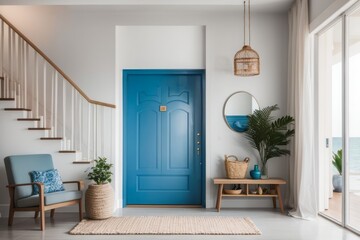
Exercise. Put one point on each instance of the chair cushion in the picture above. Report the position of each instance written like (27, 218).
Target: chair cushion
(49, 198)
(18, 168)
(50, 178)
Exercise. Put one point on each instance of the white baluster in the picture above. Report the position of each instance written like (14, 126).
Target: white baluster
(36, 86)
(52, 104)
(80, 122)
(64, 109)
(17, 98)
(44, 94)
(2, 49)
(13, 67)
(102, 130)
(89, 131)
(41, 120)
(10, 61)
(20, 71)
(13, 89)
(62, 147)
(72, 118)
(95, 131)
(112, 121)
(56, 104)
(19, 67)
(26, 59)
(7, 87)
(68, 145)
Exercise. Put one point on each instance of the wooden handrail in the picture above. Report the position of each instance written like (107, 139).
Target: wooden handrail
(54, 65)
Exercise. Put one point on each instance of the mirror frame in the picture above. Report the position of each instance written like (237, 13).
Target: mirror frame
(226, 101)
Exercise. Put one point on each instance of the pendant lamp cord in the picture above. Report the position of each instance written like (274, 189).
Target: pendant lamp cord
(249, 22)
(244, 24)
(245, 21)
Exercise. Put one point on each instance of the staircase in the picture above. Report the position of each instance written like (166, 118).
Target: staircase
(46, 103)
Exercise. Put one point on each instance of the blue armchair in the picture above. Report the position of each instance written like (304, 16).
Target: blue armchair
(20, 187)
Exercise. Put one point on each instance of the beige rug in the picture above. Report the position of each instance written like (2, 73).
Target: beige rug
(167, 225)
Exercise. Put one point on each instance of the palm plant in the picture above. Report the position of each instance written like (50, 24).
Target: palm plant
(337, 161)
(269, 135)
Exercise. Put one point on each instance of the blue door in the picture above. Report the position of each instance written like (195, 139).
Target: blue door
(162, 140)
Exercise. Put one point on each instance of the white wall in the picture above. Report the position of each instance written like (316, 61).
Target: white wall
(82, 41)
(153, 47)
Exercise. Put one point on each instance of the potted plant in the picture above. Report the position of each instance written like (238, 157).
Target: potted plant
(99, 197)
(269, 135)
(337, 178)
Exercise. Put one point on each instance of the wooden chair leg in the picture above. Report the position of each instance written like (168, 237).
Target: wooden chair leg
(42, 218)
(36, 215)
(42, 207)
(11, 209)
(80, 210)
(11, 215)
(52, 213)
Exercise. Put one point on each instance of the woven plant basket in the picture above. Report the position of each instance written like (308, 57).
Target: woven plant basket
(99, 201)
(235, 168)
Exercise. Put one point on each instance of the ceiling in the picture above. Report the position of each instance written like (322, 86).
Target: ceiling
(219, 5)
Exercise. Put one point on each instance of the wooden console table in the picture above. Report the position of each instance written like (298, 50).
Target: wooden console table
(273, 182)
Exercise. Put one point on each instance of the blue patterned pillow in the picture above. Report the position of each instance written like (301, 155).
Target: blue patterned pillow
(51, 179)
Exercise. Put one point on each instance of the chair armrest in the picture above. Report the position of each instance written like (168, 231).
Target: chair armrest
(39, 184)
(80, 184)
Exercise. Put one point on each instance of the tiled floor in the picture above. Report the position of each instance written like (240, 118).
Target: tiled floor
(273, 225)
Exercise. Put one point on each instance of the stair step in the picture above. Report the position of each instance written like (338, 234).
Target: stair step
(7, 99)
(44, 128)
(83, 162)
(67, 151)
(28, 119)
(17, 109)
(51, 138)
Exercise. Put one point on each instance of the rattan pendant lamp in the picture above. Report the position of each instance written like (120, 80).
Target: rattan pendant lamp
(246, 61)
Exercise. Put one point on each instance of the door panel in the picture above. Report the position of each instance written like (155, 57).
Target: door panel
(148, 140)
(330, 119)
(163, 165)
(353, 153)
(179, 140)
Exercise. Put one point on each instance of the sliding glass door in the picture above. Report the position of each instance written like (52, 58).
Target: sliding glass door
(353, 166)
(338, 88)
(330, 92)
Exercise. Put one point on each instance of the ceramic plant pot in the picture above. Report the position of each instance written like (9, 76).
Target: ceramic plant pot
(255, 174)
(337, 183)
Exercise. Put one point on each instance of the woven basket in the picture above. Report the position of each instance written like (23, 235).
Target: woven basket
(99, 201)
(235, 168)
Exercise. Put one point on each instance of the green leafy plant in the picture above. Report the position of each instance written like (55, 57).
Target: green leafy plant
(337, 161)
(101, 173)
(269, 135)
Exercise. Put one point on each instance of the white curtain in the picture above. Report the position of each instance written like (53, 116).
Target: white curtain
(303, 196)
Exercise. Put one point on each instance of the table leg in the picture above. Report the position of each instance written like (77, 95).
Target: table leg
(274, 202)
(219, 197)
(279, 197)
(273, 198)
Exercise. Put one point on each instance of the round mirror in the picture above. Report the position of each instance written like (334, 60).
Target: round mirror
(237, 108)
